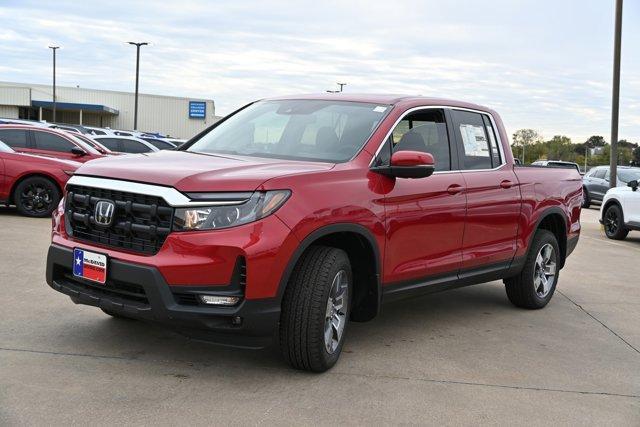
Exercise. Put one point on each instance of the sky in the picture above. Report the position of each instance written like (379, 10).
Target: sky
(543, 64)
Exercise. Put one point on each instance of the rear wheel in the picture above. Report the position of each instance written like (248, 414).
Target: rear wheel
(536, 283)
(36, 197)
(614, 223)
(586, 200)
(315, 309)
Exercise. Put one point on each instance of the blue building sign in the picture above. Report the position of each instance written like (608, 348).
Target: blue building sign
(197, 109)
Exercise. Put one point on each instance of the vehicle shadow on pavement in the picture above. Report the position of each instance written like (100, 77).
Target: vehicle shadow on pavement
(9, 211)
(416, 319)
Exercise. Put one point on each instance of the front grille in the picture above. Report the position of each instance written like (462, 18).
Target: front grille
(140, 223)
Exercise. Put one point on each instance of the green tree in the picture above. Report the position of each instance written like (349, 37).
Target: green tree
(595, 141)
(560, 148)
(636, 156)
(524, 138)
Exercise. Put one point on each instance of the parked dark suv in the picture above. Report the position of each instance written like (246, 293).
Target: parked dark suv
(595, 183)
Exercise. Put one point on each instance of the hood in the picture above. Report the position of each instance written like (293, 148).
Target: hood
(187, 171)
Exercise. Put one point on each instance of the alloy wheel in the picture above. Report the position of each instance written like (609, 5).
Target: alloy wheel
(544, 271)
(611, 221)
(336, 313)
(36, 198)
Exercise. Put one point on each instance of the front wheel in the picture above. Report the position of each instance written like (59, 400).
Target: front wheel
(614, 223)
(315, 309)
(36, 197)
(536, 283)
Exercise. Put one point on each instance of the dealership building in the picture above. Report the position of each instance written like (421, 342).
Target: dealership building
(169, 115)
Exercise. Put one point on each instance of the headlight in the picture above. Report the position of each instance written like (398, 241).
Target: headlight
(259, 205)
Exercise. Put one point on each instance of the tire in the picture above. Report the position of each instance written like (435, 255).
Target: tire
(36, 197)
(614, 223)
(116, 315)
(528, 290)
(322, 277)
(586, 200)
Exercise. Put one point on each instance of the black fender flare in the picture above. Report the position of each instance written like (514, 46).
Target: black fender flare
(545, 214)
(325, 231)
(605, 206)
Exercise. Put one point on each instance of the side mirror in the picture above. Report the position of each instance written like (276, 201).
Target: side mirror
(77, 151)
(633, 184)
(408, 164)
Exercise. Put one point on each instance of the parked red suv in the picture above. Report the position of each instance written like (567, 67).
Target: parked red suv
(293, 215)
(33, 183)
(47, 142)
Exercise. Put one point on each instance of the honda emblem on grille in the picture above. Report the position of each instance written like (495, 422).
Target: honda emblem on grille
(103, 212)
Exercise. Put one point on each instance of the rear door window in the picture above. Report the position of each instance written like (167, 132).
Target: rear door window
(14, 138)
(478, 149)
(50, 142)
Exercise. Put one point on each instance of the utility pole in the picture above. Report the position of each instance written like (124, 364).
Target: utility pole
(135, 111)
(54, 48)
(615, 107)
(339, 90)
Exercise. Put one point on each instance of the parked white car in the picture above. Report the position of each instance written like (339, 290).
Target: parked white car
(620, 211)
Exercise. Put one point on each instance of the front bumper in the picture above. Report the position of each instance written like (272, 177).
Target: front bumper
(140, 292)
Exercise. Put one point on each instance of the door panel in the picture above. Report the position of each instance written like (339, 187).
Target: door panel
(493, 209)
(598, 186)
(425, 223)
(631, 207)
(493, 194)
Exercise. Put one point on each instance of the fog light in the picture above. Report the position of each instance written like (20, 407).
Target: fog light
(219, 300)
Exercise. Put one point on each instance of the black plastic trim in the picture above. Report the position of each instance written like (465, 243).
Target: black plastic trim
(221, 196)
(325, 231)
(632, 225)
(443, 282)
(259, 318)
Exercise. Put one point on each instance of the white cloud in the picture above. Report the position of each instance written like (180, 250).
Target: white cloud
(547, 71)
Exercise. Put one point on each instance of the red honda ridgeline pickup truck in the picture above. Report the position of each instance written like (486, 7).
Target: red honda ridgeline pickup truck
(293, 215)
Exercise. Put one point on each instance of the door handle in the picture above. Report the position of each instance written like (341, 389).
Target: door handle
(506, 184)
(455, 189)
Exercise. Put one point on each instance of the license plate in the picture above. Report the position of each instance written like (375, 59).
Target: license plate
(90, 265)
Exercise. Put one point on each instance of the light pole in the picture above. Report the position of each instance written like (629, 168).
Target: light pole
(54, 48)
(615, 101)
(135, 111)
(586, 153)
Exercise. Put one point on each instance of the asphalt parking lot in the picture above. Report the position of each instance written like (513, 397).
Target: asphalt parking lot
(460, 357)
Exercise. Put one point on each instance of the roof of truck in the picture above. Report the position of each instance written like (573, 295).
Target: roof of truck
(388, 99)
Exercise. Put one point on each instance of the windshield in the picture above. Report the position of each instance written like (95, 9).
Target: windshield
(159, 144)
(626, 175)
(326, 131)
(86, 145)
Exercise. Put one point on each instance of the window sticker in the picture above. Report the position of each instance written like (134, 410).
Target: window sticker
(474, 140)
(380, 109)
